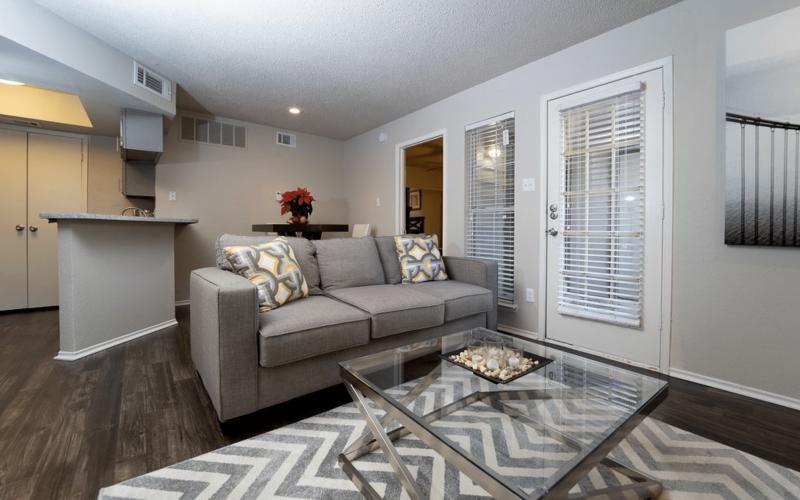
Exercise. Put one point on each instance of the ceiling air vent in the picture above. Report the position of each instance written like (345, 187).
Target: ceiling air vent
(286, 139)
(152, 81)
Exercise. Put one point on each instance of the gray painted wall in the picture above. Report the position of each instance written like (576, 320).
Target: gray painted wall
(122, 267)
(105, 171)
(729, 305)
(228, 189)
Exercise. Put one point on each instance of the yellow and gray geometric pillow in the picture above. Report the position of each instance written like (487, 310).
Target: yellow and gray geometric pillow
(273, 269)
(420, 259)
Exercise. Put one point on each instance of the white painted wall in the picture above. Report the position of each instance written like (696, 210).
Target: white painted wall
(228, 189)
(38, 29)
(730, 305)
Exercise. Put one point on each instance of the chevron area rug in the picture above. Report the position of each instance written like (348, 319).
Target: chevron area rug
(300, 461)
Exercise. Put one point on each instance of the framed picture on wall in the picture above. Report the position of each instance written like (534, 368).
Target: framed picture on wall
(415, 199)
(762, 135)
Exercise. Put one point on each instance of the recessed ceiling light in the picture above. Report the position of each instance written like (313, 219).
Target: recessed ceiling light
(10, 82)
(295, 110)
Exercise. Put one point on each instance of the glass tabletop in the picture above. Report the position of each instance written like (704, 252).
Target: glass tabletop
(528, 433)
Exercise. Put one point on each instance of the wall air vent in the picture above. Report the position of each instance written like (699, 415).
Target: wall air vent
(152, 81)
(286, 139)
(209, 131)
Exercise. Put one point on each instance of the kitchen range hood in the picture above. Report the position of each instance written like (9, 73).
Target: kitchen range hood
(141, 136)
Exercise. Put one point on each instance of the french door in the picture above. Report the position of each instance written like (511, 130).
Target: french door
(604, 218)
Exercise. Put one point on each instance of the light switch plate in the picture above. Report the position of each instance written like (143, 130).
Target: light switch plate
(530, 295)
(529, 184)
(277, 196)
(378, 202)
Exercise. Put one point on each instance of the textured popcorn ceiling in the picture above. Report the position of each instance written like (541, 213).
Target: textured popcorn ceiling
(352, 65)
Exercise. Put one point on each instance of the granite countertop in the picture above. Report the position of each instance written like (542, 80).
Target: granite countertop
(57, 216)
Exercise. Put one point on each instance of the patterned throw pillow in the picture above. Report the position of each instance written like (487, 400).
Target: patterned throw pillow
(273, 269)
(420, 259)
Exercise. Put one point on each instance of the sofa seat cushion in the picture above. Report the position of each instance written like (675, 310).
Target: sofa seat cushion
(394, 308)
(460, 299)
(309, 327)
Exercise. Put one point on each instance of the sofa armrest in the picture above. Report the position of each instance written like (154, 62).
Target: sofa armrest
(224, 339)
(480, 272)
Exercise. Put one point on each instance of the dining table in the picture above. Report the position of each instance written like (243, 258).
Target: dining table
(308, 231)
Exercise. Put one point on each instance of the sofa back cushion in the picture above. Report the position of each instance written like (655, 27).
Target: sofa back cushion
(391, 264)
(304, 252)
(348, 262)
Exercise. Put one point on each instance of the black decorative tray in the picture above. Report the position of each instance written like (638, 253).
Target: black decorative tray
(541, 359)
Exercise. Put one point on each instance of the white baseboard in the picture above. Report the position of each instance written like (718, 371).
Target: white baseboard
(182, 302)
(752, 392)
(73, 355)
(519, 331)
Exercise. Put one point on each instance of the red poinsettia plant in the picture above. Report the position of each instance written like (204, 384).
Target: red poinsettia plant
(298, 202)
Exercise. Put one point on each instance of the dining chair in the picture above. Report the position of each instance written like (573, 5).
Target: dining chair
(360, 230)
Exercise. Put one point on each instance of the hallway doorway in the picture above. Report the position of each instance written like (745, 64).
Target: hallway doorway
(423, 172)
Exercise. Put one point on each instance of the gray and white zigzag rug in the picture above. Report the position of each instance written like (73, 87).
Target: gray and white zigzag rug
(300, 460)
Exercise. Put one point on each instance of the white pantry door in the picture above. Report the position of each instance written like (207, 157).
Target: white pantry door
(13, 220)
(55, 184)
(604, 218)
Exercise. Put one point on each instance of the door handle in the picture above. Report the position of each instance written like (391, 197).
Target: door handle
(552, 231)
(33, 229)
(19, 227)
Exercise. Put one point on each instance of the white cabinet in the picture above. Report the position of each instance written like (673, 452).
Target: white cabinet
(39, 172)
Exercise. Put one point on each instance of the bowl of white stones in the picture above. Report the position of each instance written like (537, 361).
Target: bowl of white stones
(495, 360)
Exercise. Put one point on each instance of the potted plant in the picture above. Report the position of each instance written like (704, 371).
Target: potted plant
(298, 202)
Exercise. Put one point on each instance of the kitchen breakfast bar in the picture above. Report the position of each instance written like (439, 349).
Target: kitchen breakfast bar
(116, 279)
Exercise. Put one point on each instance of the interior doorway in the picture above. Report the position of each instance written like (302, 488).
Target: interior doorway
(423, 187)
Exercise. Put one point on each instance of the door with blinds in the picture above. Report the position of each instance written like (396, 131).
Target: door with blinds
(604, 218)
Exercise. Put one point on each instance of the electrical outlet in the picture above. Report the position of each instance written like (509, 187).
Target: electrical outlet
(529, 184)
(172, 196)
(277, 196)
(378, 201)
(530, 296)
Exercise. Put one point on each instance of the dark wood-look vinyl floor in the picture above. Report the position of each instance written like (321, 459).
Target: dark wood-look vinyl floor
(70, 428)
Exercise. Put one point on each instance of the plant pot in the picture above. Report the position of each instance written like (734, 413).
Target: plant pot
(300, 213)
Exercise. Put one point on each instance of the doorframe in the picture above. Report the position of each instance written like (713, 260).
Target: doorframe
(665, 64)
(400, 175)
(84, 155)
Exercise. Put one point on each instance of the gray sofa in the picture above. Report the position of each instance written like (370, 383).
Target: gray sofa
(357, 305)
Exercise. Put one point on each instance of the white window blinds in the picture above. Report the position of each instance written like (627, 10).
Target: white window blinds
(602, 195)
(490, 198)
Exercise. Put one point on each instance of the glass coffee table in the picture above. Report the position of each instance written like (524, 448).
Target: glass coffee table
(534, 437)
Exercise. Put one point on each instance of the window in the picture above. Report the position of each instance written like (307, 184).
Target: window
(490, 198)
(602, 195)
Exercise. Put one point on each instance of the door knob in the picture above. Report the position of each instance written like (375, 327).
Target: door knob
(33, 229)
(19, 227)
(552, 231)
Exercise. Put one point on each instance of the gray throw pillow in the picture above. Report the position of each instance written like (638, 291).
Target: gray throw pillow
(304, 252)
(348, 262)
